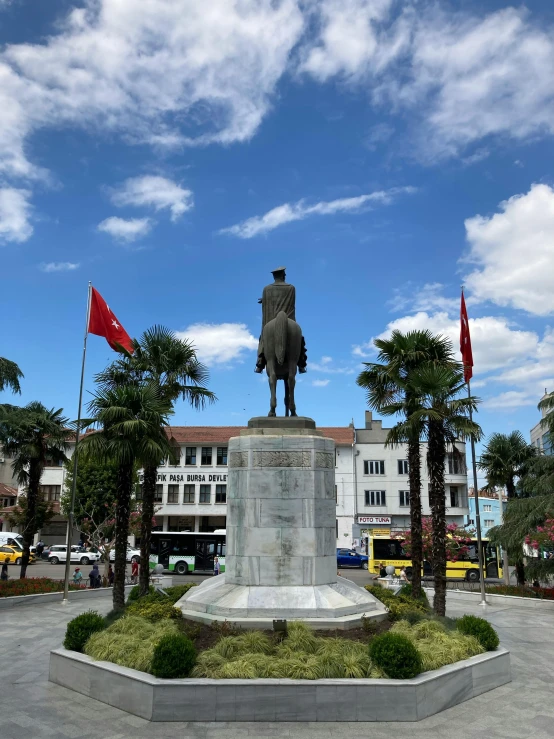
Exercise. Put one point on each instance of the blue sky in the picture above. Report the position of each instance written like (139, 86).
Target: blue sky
(384, 151)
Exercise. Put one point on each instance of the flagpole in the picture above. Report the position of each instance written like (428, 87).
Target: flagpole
(482, 573)
(71, 517)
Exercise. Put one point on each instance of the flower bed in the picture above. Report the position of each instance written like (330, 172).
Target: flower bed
(32, 586)
(522, 591)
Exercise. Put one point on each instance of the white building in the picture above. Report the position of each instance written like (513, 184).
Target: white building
(382, 485)
(539, 434)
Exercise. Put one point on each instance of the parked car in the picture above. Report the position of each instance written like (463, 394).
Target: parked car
(351, 558)
(13, 555)
(133, 555)
(58, 553)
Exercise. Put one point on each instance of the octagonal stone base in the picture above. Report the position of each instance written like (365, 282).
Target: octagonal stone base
(336, 605)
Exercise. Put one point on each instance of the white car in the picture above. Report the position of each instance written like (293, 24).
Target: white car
(133, 555)
(58, 553)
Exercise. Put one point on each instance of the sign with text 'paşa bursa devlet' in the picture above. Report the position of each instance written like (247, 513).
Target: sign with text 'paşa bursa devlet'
(176, 477)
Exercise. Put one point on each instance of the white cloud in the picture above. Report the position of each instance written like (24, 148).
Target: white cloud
(320, 383)
(289, 212)
(126, 230)
(327, 366)
(463, 77)
(427, 298)
(514, 253)
(219, 343)
(155, 192)
(509, 400)
(494, 342)
(58, 266)
(14, 214)
(177, 72)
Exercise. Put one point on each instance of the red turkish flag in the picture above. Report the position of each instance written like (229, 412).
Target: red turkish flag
(103, 322)
(465, 342)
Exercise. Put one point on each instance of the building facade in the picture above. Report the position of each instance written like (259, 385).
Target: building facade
(539, 434)
(382, 484)
(489, 509)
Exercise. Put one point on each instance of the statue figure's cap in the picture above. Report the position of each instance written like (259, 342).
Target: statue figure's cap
(279, 269)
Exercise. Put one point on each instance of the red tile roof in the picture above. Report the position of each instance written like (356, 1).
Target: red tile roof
(7, 491)
(222, 434)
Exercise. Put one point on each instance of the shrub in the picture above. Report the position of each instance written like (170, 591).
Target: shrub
(396, 655)
(406, 591)
(81, 628)
(154, 610)
(32, 586)
(436, 646)
(134, 593)
(174, 657)
(176, 592)
(481, 630)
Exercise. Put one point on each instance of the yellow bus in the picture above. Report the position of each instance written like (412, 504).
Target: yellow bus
(387, 551)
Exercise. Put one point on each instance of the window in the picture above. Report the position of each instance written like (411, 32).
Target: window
(336, 495)
(206, 455)
(403, 467)
(173, 494)
(205, 493)
(175, 458)
(51, 492)
(487, 508)
(374, 467)
(404, 496)
(337, 528)
(49, 462)
(188, 494)
(388, 549)
(159, 494)
(221, 493)
(489, 522)
(456, 463)
(375, 497)
(454, 497)
(138, 492)
(190, 455)
(222, 455)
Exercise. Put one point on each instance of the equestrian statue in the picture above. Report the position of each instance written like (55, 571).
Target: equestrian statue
(282, 348)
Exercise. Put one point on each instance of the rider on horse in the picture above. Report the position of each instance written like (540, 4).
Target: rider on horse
(279, 296)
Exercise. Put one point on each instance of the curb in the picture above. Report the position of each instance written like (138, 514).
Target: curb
(15, 601)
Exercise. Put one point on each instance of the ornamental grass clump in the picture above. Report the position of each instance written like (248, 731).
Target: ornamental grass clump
(396, 655)
(399, 606)
(154, 610)
(437, 646)
(481, 630)
(81, 628)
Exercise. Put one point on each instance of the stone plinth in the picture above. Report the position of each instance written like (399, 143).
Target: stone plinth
(281, 539)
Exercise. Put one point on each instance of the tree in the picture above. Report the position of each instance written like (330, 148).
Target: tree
(505, 457)
(390, 392)
(10, 374)
(444, 418)
(457, 540)
(96, 487)
(32, 436)
(170, 363)
(130, 422)
(44, 512)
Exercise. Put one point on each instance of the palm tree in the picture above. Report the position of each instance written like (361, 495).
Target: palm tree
(10, 374)
(33, 436)
(389, 391)
(130, 421)
(505, 457)
(170, 363)
(444, 417)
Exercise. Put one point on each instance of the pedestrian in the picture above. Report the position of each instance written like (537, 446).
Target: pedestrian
(382, 570)
(4, 575)
(216, 565)
(403, 575)
(134, 572)
(40, 548)
(94, 576)
(77, 577)
(110, 576)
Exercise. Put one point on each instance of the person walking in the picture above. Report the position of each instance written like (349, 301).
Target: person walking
(216, 565)
(77, 577)
(4, 575)
(40, 548)
(134, 572)
(94, 576)
(110, 576)
(403, 575)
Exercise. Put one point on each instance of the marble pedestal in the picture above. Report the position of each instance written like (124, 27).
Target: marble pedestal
(281, 541)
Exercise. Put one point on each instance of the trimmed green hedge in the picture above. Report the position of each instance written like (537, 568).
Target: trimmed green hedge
(481, 630)
(174, 657)
(396, 656)
(81, 628)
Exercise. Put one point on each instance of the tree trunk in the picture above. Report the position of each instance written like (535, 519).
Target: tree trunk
(437, 499)
(30, 525)
(148, 493)
(122, 514)
(520, 572)
(510, 488)
(414, 463)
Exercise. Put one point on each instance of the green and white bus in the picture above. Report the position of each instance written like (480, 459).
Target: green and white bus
(184, 552)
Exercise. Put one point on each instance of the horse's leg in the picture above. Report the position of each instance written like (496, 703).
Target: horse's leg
(272, 386)
(291, 383)
(286, 381)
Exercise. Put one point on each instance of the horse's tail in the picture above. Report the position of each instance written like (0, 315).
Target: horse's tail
(281, 325)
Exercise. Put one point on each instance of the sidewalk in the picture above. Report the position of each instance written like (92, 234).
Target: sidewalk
(30, 706)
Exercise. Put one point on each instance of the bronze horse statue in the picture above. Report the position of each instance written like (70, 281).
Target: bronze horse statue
(282, 340)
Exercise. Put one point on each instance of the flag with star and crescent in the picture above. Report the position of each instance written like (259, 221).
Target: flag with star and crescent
(103, 322)
(465, 342)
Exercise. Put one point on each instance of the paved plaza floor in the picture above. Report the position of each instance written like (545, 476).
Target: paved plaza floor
(32, 707)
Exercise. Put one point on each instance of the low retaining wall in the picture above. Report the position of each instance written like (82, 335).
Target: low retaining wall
(14, 601)
(514, 601)
(279, 700)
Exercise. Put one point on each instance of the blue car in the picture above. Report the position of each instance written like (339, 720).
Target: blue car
(351, 558)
